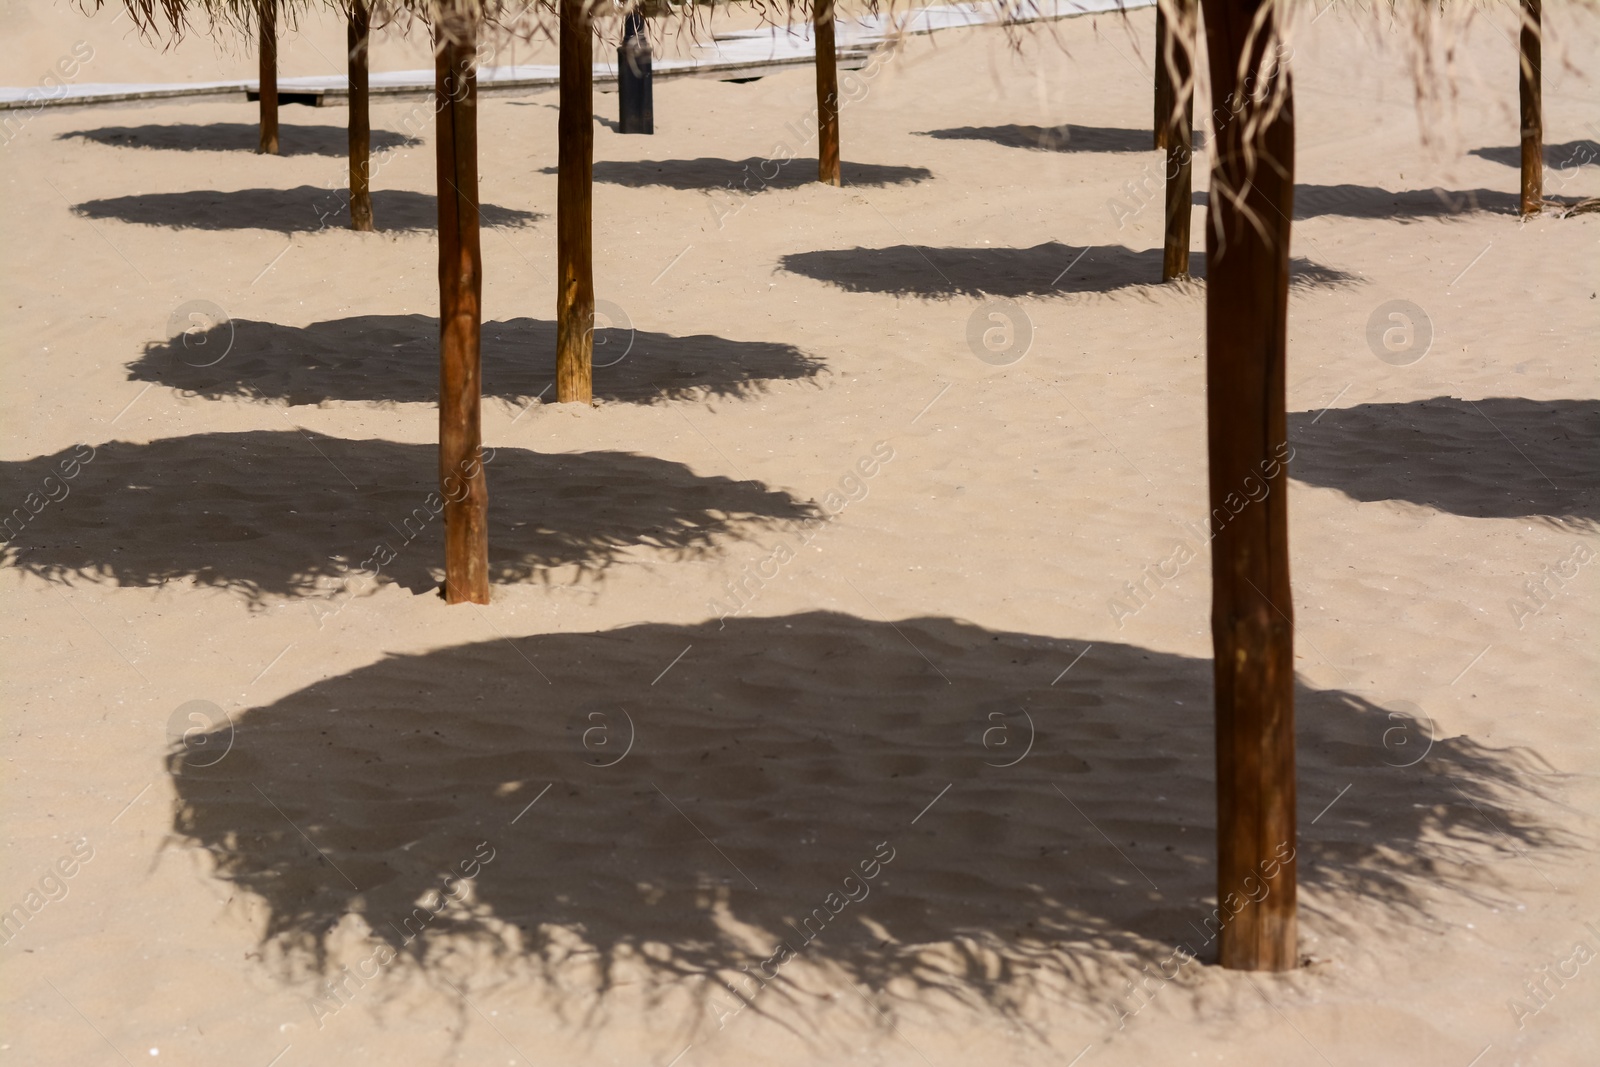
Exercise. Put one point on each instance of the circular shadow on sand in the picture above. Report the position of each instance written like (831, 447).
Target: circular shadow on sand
(668, 802)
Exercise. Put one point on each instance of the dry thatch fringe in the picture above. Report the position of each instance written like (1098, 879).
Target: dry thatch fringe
(1262, 74)
(691, 18)
(487, 22)
(169, 21)
(479, 20)
(1429, 31)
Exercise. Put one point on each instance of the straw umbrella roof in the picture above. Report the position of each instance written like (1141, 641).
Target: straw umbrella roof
(174, 19)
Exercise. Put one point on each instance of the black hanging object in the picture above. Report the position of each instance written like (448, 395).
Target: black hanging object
(633, 78)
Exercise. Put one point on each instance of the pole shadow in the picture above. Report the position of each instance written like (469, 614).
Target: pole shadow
(395, 359)
(292, 514)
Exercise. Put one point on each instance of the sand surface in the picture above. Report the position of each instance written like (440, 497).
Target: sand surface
(934, 712)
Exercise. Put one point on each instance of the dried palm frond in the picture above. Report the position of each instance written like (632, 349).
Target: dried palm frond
(169, 21)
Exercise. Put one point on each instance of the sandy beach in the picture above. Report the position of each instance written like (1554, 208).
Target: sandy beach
(845, 694)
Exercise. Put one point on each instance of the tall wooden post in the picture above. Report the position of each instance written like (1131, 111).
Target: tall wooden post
(635, 93)
(1530, 56)
(357, 35)
(1247, 289)
(1174, 131)
(1163, 78)
(827, 96)
(268, 12)
(462, 479)
(575, 209)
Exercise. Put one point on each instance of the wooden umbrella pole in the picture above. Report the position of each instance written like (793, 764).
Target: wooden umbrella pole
(357, 36)
(827, 96)
(574, 209)
(1247, 287)
(462, 479)
(1530, 49)
(1164, 103)
(1175, 131)
(268, 96)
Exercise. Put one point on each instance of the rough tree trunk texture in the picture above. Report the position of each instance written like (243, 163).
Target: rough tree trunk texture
(1175, 129)
(1163, 81)
(1247, 295)
(635, 93)
(1530, 49)
(360, 120)
(462, 479)
(574, 209)
(268, 96)
(827, 97)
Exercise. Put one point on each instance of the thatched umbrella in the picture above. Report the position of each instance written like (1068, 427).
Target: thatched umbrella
(260, 19)
(456, 25)
(575, 152)
(244, 17)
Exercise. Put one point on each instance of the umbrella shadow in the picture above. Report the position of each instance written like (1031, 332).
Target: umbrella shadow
(911, 806)
(743, 175)
(1500, 457)
(1371, 202)
(236, 137)
(303, 209)
(1561, 157)
(1043, 270)
(395, 358)
(1409, 205)
(292, 514)
(1064, 138)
